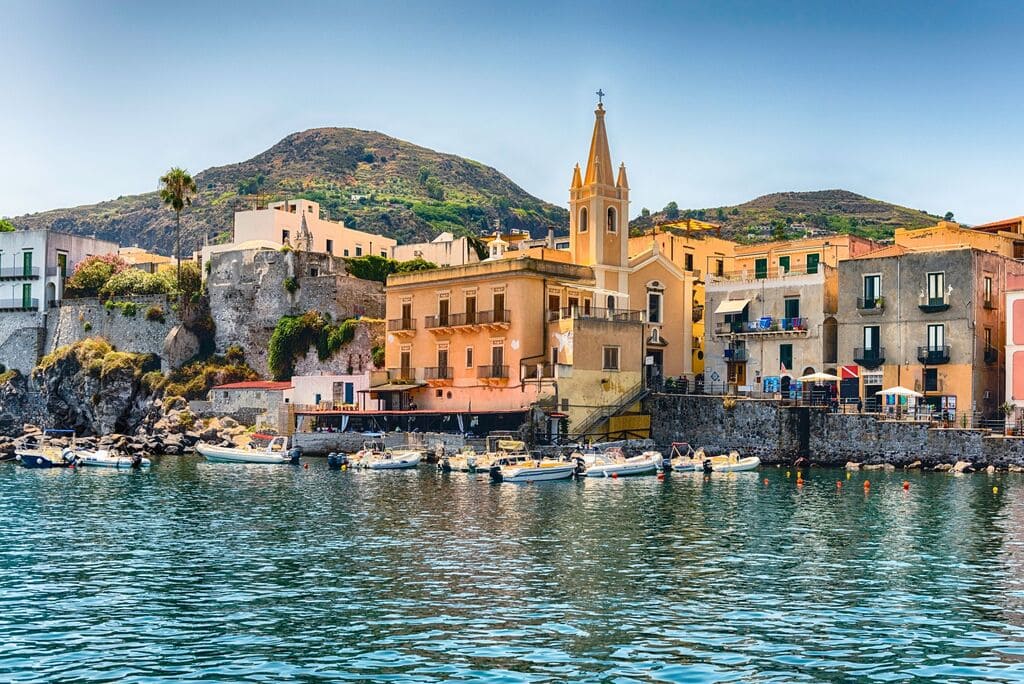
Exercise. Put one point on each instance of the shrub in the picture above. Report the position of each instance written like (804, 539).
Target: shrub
(156, 313)
(87, 326)
(133, 281)
(378, 268)
(194, 380)
(129, 309)
(235, 354)
(7, 375)
(91, 274)
(294, 335)
(291, 284)
(378, 356)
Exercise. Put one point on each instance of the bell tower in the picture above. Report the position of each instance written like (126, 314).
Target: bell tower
(599, 211)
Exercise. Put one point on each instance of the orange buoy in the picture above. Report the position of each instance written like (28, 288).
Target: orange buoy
(906, 486)
(305, 466)
(867, 484)
(839, 484)
(766, 481)
(661, 476)
(615, 476)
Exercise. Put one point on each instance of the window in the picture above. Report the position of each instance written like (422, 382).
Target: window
(872, 337)
(988, 338)
(350, 393)
(499, 308)
(284, 236)
(688, 262)
(359, 250)
(27, 263)
(936, 337)
(26, 296)
(405, 362)
(582, 227)
(317, 398)
(936, 288)
(497, 357)
(719, 267)
(872, 288)
(384, 254)
(611, 358)
(812, 262)
(611, 303)
(314, 271)
(407, 316)
(783, 265)
(330, 246)
(346, 252)
(654, 307)
(612, 225)
(442, 362)
(470, 309)
(931, 379)
(761, 269)
(443, 307)
(988, 291)
(62, 264)
(792, 305)
(785, 357)
(574, 304)
(469, 357)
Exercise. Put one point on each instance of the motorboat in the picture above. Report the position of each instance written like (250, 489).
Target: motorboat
(276, 451)
(500, 447)
(686, 459)
(37, 451)
(102, 458)
(375, 456)
(516, 469)
(614, 463)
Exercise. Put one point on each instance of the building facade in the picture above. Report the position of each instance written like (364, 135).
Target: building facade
(444, 250)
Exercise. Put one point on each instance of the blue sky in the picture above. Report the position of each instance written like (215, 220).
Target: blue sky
(709, 104)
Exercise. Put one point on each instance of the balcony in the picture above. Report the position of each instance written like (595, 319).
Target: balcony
(735, 355)
(492, 372)
(438, 374)
(595, 313)
(404, 376)
(933, 356)
(498, 318)
(19, 273)
(869, 358)
(933, 304)
(19, 304)
(991, 355)
(698, 313)
(538, 371)
(870, 306)
(402, 327)
(766, 325)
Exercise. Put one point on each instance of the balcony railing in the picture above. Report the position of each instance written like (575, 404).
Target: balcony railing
(762, 326)
(406, 375)
(933, 304)
(492, 371)
(596, 313)
(397, 324)
(735, 355)
(19, 304)
(871, 304)
(991, 355)
(438, 373)
(769, 273)
(495, 316)
(18, 273)
(869, 358)
(933, 355)
(538, 371)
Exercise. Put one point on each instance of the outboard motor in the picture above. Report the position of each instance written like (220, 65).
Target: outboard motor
(581, 467)
(136, 461)
(294, 454)
(495, 472)
(334, 461)
(444, 465)
(666, 464)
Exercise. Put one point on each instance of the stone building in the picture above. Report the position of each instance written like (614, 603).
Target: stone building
(932, 320)
(248, 401)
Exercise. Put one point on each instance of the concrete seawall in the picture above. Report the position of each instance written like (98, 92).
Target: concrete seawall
(779, 434)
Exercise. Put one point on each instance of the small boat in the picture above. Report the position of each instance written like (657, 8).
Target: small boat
(276, 451)
(695, 461)
(41, 454)
(613, 463)
(516, 469)
(102, 458)
(375, 456)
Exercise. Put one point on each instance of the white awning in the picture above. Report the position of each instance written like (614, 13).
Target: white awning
(731, 306)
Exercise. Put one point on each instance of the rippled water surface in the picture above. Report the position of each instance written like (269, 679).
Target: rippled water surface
(206, 572)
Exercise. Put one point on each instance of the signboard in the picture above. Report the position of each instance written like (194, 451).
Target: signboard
(772, 384)
(847, 372)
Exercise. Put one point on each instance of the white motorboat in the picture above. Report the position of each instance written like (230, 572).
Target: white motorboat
(276, 451)
(374, 456)
(501, 447)
(613, 463)
(103, 458)
(697, 461)
(531, 470)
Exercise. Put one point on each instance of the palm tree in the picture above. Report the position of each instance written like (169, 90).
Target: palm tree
(177, 188)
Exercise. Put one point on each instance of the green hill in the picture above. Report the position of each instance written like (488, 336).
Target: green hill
(794, 214)
(371, 181)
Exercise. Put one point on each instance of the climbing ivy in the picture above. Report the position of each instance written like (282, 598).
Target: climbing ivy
(294, 335)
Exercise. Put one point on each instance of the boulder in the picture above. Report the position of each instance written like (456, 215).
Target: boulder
(228, 422)
(851, 465)
(179, 346)
(943, 467)
(991, 469)
(1014, 468)
(912, 466)
(963, 467)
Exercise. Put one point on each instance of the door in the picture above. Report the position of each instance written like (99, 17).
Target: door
(872, 287)
(350, 393)
(442, 311)
(761, 268)
(26, 296)
(872, 342)
(471, 310)
(442, 364)
(26, 264)
(554, 306)
(792, 308)
(783, 265)
(499, 307)
(497, 362)
(655, 371)
(405, 360)
(407, 316)
(62, 264)
(936, 338)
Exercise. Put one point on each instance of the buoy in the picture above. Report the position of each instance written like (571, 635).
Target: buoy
(906, 486)
(867, 484)
(848, 473)
(787, 473)
(839, 484)
(995, 490)
(661, 476)
(615, 476)
(766, 482)
(305, 466)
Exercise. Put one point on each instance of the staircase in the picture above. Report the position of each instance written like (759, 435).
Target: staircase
(599, 415)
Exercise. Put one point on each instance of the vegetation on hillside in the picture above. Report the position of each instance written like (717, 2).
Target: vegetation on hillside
(99, 358)
(194, 380)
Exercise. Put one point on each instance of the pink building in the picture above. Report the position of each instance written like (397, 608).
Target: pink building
(1015, 339)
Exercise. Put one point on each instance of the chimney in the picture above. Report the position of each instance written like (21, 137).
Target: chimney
(551, 237)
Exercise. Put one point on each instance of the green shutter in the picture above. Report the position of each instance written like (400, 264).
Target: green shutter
(761, 269)
(812, 262)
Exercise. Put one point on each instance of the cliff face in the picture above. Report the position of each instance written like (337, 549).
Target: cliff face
(18, 405)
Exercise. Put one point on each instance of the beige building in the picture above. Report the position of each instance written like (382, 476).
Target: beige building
(444, 250)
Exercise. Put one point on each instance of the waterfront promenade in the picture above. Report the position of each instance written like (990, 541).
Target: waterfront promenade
(204, 572)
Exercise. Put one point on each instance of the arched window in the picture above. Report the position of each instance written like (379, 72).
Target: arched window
(582, 227)
(612, 227)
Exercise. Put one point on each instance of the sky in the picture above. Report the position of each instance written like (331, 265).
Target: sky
(709, 104)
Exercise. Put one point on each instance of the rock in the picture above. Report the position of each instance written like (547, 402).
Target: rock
(963, 467)
(228, 422)
(30, 429)
(1014, 468)
(873, 466)
(209, 435)
(943, 467)
(851, 465)
(180, 345)
(991, 469)
(912, 466)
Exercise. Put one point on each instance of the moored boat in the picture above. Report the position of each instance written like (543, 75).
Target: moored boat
(276, 451)
(103, 458)
(375, 456)
(696, 460)
(517, 469)
(613, 463)
(40, 453)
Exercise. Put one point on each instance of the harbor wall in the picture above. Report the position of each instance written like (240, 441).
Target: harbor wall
(779, 434)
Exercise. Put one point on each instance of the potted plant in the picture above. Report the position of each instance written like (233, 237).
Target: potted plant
(1007, 408)
(880, 303)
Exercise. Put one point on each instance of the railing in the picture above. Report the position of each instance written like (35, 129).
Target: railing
(698, 313)
(869, 358)
(492, 371)
(602, 413)
(871, 304)
(19, 272)
(763, 326)
(768, 273)
(538, 371)
(402, 374)
(52, 270)
(735, 355)
(396, 324)
(496, 316)
(596, 313)
(18, 304)
(438, 373)
(991, 355)
(933, 355)
(933, 304)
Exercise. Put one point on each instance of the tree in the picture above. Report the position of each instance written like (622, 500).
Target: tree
(645, 212)
(6, 226)
(177, 188)
(949, 216)
(778, 229)
(672, 210)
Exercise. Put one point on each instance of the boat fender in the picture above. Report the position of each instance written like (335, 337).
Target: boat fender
(581, 468)
(335, 460)
(495, 473)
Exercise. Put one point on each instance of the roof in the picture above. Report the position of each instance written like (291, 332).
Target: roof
(996, 224)
(599, 161)
(392, 387)
(255, 385)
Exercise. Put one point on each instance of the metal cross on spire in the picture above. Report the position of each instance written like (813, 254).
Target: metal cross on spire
(600, 96)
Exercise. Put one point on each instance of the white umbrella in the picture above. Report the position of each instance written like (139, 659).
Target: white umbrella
(818, 377)
(899, 391)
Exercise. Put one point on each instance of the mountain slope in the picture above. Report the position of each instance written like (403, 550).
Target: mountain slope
(791, 214)
(371, 181)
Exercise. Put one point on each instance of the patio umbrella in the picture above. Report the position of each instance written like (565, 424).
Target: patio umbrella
(819, 377)
(899, 391)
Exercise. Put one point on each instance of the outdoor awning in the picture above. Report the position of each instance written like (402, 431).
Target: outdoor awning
(392, 387)
(731, 306)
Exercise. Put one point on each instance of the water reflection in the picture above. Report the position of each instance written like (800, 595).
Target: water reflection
(208, 571)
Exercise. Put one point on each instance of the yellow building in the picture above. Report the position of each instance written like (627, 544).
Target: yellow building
(584, 330)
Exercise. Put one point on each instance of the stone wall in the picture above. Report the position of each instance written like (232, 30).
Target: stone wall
(22, 339)
(779, 434)
(66, 324)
